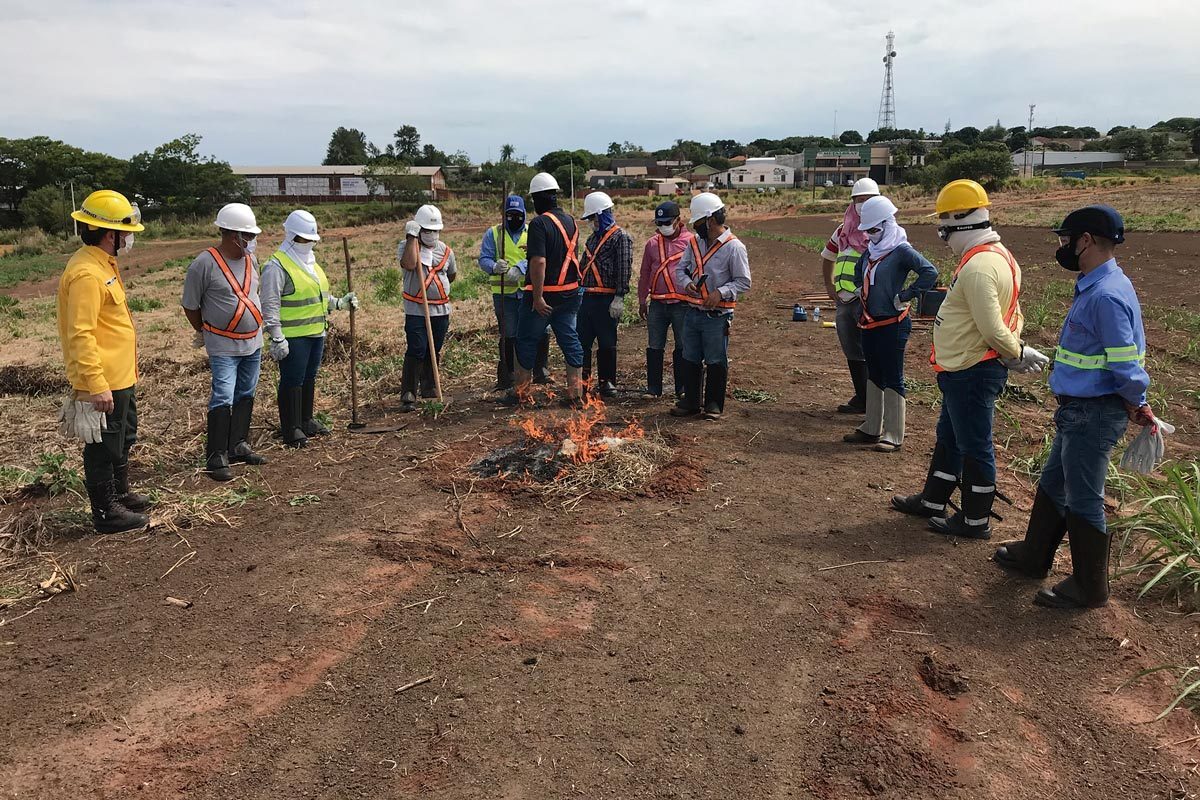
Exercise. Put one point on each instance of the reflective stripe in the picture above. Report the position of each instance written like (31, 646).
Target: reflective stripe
(701, 260)
(295, 323)
(304, 313)
(590, 264)
(295, 303)
(1080, 361)
(500, 237)
(665, 273)
(946, 476)
(983, 489)
(935, 506)
(572, 242)
(244, 303)
(443, 294)
(1129, 353)
(976, 522)
(843, 270)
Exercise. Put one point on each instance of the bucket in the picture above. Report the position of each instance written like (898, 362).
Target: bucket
(928, 302)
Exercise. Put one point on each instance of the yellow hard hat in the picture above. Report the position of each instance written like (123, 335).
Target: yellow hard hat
(961, 195)
(108, 209)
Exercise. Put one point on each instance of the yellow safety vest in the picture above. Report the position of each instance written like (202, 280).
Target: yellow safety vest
(843, 271)
(302, 313)
(506, 250)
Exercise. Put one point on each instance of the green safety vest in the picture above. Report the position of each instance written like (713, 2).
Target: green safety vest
(843, 271)
(302, 313)
(502, 240)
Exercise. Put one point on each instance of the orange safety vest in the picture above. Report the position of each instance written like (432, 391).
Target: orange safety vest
(866, 321)
(243, 296)
(443, 297)
(571, 242)
(590, 264)
(701, 260)
(1010, 316)
(666, 273)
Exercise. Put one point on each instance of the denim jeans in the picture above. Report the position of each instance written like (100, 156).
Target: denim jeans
(884, 349)
(968, 404)
(596, 325)
(531, 327)
(416, 340)
(303, 361)
(661, 316)
(234, 378)
(512, 307)
(705, 338)
(849, 334)
(1088, 429)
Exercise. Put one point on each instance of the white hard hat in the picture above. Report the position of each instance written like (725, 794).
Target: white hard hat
(237, 217)
(429, 218)
(863, 187)
(301, 223)
(543, 182)
(875, 212)
(596, 202)
(703, 206)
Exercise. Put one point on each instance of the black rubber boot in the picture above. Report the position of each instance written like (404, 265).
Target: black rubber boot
(1088, 585)
(131, 500)
(586, 371)
(606, 367)
(427, 384)
(310, 425)
(939, 486)
(858, 403)
(714, 390)
(504, 364)
(289, 417)
(408, 383)
(239, 434)
(689, 404)
(654, 372)
(216, 451)
(677, 371)
(974, 521)
(541, 368)
(108, 515)
(1034, 556)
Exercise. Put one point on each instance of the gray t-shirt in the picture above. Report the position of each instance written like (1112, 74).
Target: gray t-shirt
(207, 290)
(439, 288)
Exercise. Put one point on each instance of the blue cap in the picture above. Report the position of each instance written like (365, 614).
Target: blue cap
(666, 213)
(514, 203)
(1098, 220)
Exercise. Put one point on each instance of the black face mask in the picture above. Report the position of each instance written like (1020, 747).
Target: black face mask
(701, 229)
(1066, 256)
(514, 223)
(543, 202)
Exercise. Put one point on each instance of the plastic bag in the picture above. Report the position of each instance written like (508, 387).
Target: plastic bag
(1145, 452)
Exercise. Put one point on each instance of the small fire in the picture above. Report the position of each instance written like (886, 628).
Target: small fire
(579, 435)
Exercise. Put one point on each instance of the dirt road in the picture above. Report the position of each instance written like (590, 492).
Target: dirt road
(765, 628)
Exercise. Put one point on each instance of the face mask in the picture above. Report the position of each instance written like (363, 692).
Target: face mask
(249, 246)
(303, 249)
(514, 223)
(429, 238)
(858, 206)
(596, 223)
(128, 245)
(666, 230)
(701, 229)
(1066, 256)
(875, 237)
(543, 202)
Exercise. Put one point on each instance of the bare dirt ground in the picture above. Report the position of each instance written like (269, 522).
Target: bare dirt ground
(764, 627)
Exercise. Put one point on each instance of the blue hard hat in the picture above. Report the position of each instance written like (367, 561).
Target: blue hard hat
(666, 213)
(514, 203)
(1099, 220)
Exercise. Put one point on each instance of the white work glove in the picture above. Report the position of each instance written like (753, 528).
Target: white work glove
(1146, 451)
(279, 349)
(514, 275)
(197, 339)
(501, 267)
(412, 228)
(1030, 360)
(617, 307)
(80, 419)
(348, 300)
(898, 303)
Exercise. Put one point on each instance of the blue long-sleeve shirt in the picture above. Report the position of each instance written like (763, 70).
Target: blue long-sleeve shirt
(888, 280)
(488, 254)
(1102, 349)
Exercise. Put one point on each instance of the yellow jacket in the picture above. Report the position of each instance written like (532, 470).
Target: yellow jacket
(95, 327)
(971, 319)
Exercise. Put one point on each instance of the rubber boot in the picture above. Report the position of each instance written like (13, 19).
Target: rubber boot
(714, 390)
(574, 396)
(541, 367)
(606, 367)
(677, 372)
(586, 369)
(216, 451)
(131, 500)
(310, 425)
(521, 394)
(974, 521)
(689, 404)
(1088, 585)
(1034, 556)
(858, 376)
(872, 427)
(408, 383)
(894, 407)
(427, 383)
(504, 365)
(654, 373)
(939, 486)
(239, 434)
(289, 416)
(108, 515)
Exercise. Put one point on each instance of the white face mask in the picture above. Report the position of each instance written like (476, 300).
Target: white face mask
(876, 237)
(666, 230)
(250, 246)
(429, 238)
(303, 249)
(128, 245)
(858, 204)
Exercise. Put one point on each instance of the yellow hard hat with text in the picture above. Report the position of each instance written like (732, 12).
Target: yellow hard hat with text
(106, 208)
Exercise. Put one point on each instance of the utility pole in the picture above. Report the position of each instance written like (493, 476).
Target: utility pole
(73, 206)
(1029, 140)
(572, 162)
(835, 130)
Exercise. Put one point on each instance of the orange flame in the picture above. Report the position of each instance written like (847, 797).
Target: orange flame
(581, 429)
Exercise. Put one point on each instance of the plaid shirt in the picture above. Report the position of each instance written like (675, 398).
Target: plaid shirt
(614, 261)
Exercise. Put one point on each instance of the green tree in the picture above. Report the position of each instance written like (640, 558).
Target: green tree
(506, 152)
(393, 177)
(408, 143)
(726, 148)
(993, 133)
(29, 164)
(48, 208)
(1133, 142)
(177, 179)
(347, 146)
(1196, 141)
(850, 137)
(430, 157)
(554, 160)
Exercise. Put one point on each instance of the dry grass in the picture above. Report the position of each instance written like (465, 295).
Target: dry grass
(620, 470)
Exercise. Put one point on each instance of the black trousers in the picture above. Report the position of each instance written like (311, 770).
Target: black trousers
(119, 435)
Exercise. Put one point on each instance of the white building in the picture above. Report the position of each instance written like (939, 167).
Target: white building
(1059, 160)
(757, 173)
(329, 183)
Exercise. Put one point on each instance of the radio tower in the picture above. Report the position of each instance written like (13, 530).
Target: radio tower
(887, 101)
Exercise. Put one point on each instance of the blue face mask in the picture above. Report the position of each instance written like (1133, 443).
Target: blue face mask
(605, 220)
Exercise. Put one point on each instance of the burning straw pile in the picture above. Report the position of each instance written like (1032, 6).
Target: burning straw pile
(578, 454)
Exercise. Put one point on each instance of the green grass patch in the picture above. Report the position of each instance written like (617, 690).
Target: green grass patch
(144, 303)
(1048, 310)
(15, 269)
(813, 244)
(1163, 534)
(753, 396)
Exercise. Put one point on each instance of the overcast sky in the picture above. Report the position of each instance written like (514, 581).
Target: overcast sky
(265, 83)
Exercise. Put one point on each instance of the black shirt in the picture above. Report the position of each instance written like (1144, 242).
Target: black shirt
(545, 241)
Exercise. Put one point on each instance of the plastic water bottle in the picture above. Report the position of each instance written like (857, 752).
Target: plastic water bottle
(816, 314)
